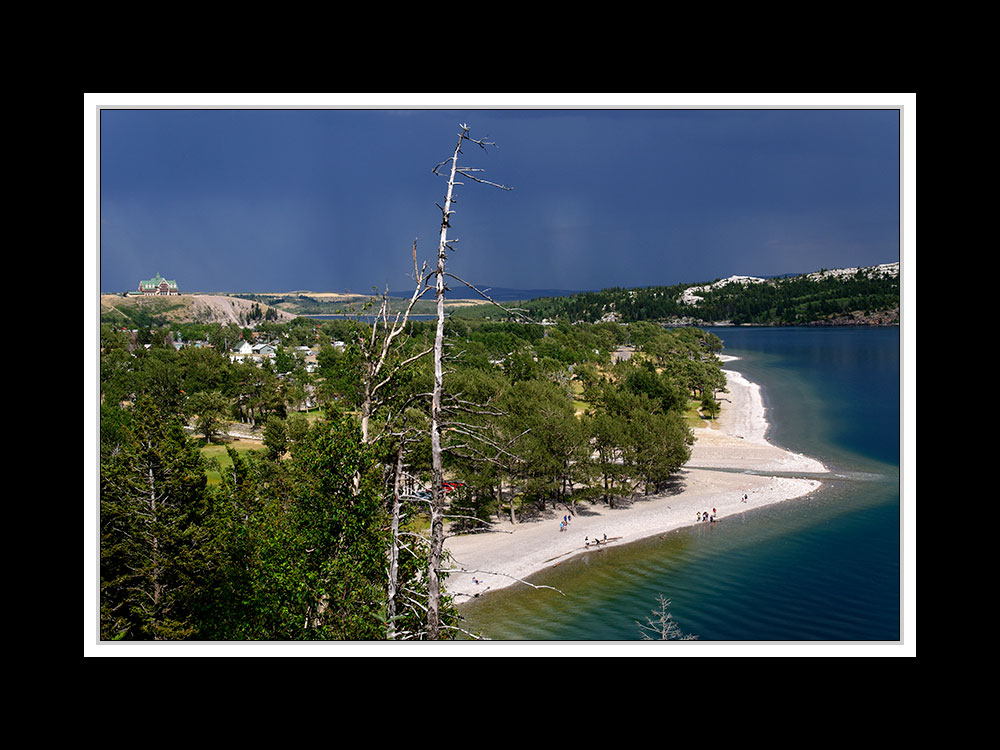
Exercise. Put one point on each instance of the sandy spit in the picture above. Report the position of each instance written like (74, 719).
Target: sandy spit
(509, 553)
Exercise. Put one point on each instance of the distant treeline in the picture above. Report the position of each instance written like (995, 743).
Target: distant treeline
(795, 300)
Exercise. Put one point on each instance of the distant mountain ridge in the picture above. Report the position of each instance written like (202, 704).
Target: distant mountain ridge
(499, 293)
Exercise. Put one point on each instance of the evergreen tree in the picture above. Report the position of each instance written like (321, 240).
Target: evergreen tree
(153, 544)
(300, 551)
(341, 533)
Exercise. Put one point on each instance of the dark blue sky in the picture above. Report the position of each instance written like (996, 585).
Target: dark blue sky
(330, 199)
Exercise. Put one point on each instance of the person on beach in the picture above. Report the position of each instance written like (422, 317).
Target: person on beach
(699, 515)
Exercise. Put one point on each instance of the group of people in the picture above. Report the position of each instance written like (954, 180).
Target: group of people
(704, 516)
(587, 541)
(710, 518)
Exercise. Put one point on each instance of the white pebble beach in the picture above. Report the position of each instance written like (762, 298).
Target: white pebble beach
(508, 553)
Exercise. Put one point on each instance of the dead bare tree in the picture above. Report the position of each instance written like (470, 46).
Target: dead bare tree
(384, 357)
(396, 543)
(662, 626)
(434, 563)
(377, 350)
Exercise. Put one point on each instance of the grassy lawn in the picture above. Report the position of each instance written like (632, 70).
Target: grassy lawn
(218, 451)
(693, 416)
(313, 414)
(576, 389)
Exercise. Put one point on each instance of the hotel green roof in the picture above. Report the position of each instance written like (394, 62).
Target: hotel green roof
(155, 282)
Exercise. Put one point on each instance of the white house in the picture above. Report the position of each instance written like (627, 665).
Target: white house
(255, 351)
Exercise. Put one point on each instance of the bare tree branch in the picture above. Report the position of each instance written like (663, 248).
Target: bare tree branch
(515, 312)
(503, 575)
(465, 172)
(662, 625)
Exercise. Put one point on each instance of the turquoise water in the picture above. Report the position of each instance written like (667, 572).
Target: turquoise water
(822, 568)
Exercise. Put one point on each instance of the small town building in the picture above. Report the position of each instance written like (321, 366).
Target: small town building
(256, 353)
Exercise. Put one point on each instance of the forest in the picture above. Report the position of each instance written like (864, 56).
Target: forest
(322, 533)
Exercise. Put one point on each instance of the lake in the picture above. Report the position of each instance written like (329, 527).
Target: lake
(366, 318)
(824, 568)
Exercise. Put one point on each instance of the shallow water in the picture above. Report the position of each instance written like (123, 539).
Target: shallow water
(822, 568)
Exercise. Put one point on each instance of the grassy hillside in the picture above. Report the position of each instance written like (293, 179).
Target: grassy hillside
(143, 312)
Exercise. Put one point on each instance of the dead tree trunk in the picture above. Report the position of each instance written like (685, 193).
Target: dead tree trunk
(436, 552)
(394, 546)
(384, 359)
(437, 470)
(155, 556)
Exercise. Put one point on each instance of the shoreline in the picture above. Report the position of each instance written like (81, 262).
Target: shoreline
(714, 479)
